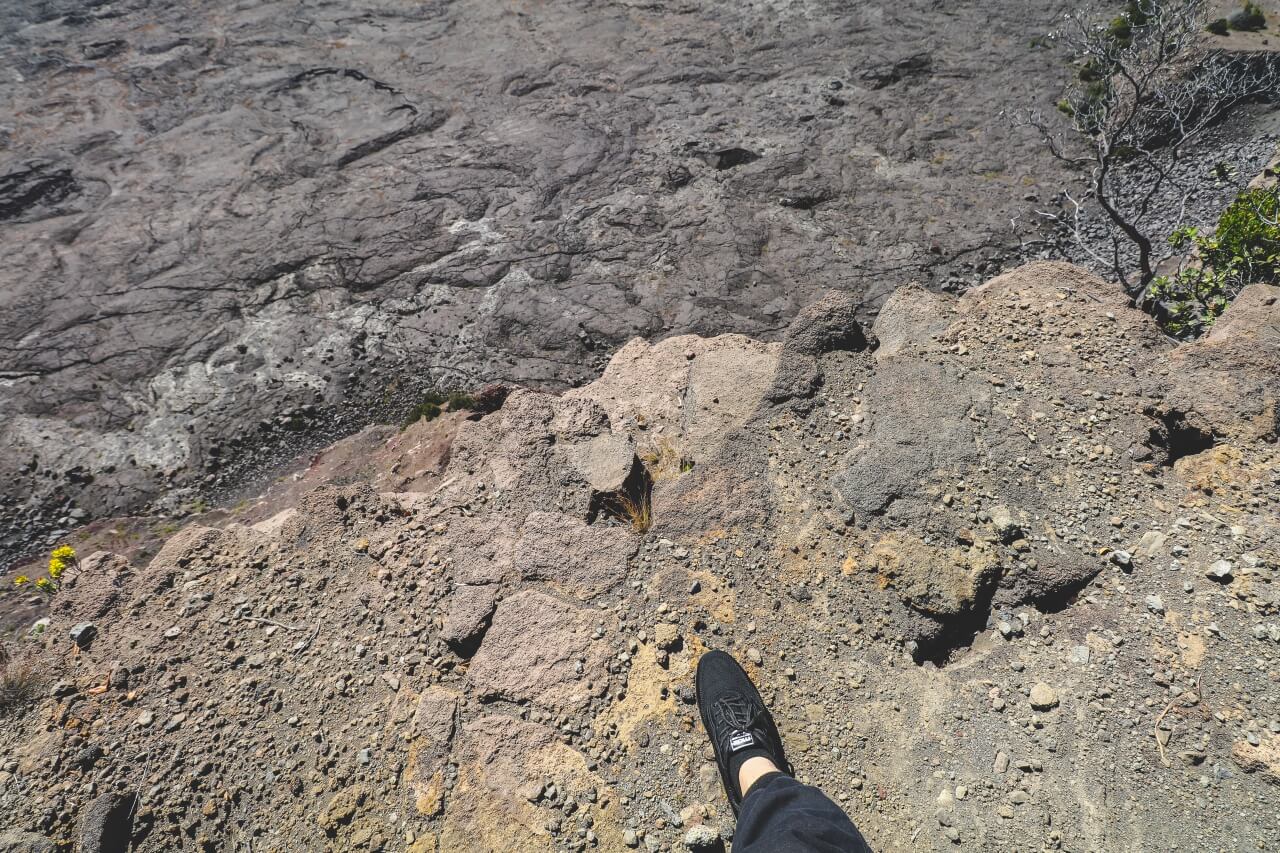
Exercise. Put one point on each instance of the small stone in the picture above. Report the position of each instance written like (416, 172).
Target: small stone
(1017, 796)
(1123, 559)
(146, 718)
(1042, 697)
(666, 636)
(630, 838)
(1080, 654)
(1155, 604)
(173, 633)
(754, 656)
(701, 837)
(961, 792)
(82, 635)
(1219, 570)
(1002, 763)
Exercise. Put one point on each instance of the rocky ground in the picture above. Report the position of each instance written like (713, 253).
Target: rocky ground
(1005, 565)
(230, 227)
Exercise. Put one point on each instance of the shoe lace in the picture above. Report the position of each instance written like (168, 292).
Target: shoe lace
(735, 713)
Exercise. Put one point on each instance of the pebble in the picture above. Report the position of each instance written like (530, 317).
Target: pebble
(82, 635)
(754, 656)
(1155, 604)
(1123, 559)
(701, 837)
(1219, 570)
(1002, 763)
(173, 633)
(1080, 654)
(1042, 697)
(630, 838)
(146, 718)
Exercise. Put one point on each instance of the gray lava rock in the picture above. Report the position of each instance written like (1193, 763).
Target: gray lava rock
(106, 825)
(82, 635)
(489, 212)
(15, 841)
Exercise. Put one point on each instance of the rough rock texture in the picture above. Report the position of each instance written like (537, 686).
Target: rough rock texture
(1009, 581)
(224, 221)
(25, 842)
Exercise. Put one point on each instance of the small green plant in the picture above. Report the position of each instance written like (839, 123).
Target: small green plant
(62, 558)
(1219, 27)
(434, 403)
(1135, 14)
(428, 408)
(460, 400)
(1242, 250)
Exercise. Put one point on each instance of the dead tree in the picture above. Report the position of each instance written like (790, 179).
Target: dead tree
(1149, 86)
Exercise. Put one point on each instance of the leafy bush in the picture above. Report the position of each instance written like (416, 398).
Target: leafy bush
(427, 408)
(1249, 19)
(1242, 250)
(1219, 27)
(460, 400)
(434, 403)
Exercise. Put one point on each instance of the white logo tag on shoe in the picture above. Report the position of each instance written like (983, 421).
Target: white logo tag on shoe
(741, 740)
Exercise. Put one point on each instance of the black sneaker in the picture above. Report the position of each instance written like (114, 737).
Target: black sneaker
(736, 720)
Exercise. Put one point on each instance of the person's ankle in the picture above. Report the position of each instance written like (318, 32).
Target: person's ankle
(752, 770)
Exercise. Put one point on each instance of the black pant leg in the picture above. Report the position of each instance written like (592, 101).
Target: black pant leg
(780, 815)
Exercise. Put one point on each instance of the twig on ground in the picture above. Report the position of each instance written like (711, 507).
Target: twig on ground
(274, 622)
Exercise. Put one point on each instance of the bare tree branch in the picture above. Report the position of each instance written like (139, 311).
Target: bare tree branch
(1149, 85)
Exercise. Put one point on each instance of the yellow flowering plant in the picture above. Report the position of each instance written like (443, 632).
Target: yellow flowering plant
(62, 558)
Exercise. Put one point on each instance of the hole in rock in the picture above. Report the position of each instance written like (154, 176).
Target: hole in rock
(1176, 434)
(631, 505)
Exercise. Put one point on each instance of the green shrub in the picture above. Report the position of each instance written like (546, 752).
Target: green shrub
(1219, 27)
(460, 400)
(1249, 19)
(1121, 27)
(1242, 250)
(427, 407)
(434, 403)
